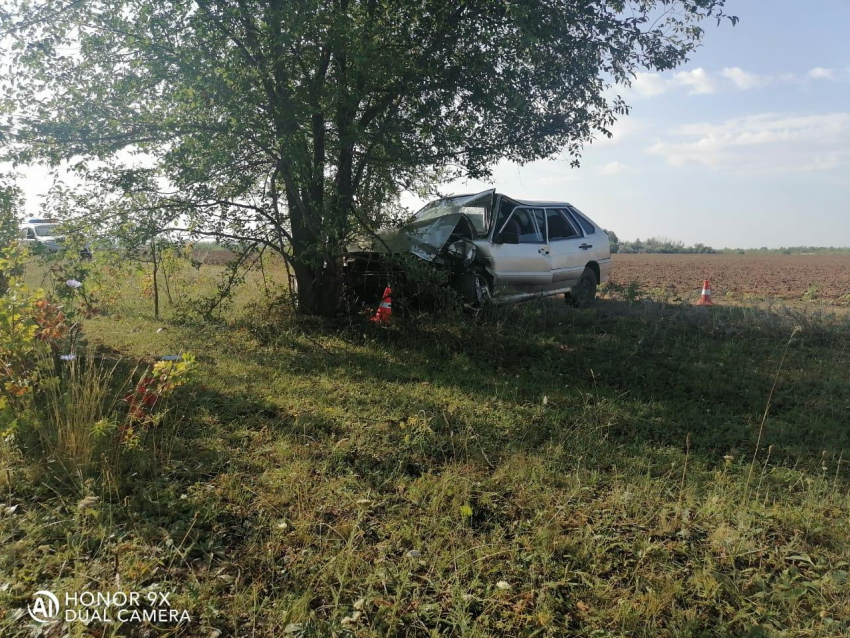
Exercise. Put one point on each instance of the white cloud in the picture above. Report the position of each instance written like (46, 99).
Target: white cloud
(744, 80)
(613, 168)
(699, 81)
(624, 128)
(762, 143)
(650, 84)
(820, 73)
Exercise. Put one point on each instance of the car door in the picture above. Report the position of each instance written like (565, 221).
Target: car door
(520, 252)
(596, 241)
(567, 247)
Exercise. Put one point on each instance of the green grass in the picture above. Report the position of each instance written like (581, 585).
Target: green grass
(537, 471)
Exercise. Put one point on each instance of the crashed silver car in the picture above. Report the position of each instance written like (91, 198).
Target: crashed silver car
(495, 248)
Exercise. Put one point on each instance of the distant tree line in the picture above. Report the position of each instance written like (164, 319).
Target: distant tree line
(789, 250)
(663, 245)
(656, 245)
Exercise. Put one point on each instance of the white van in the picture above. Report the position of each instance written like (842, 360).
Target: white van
(43, 234)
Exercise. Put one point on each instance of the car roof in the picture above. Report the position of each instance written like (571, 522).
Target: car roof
(521, 202)
(534, 202)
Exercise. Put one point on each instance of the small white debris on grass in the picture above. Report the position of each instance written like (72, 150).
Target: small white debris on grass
(503, 585)
(88, 502)
(414, 553)
(353, 618)
(73, 283)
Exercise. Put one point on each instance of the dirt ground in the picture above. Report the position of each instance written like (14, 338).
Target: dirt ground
(817, 279)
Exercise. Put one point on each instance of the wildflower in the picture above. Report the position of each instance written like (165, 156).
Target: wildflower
(144, 395)
(73, 283)
(68, 357)
(503, 585)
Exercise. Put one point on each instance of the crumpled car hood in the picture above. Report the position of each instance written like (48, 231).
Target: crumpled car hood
(425, 239)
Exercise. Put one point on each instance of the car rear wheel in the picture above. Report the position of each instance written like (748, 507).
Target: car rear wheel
(584, 292)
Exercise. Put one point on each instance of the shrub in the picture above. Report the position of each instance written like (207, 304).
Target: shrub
(77, 414)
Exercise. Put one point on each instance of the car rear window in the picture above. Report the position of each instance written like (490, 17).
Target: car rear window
(588, 228)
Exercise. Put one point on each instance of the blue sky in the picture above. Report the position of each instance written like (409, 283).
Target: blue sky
(747, 145)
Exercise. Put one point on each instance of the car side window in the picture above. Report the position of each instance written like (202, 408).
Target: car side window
(528, 223)
(589, 228)
(560, 226)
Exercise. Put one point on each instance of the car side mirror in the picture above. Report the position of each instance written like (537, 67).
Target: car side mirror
(506, 238)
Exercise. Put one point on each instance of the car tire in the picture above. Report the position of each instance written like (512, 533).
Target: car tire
(474, 289)
(584, 292)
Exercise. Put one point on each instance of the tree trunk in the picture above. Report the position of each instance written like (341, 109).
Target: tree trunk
(155, 282)
(320, 285)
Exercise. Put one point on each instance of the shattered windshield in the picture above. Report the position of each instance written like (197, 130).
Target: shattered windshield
(475, 207)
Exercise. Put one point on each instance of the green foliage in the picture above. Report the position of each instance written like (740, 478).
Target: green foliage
(663, 246)
(11, 207)
(296, 125)
(614, 241)
(811, 293)
(29, 325)
(65, 406)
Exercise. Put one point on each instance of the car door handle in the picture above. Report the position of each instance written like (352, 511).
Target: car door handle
(586, 246)
(543, 251)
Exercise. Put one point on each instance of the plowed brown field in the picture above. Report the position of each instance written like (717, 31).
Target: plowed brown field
(819, 279)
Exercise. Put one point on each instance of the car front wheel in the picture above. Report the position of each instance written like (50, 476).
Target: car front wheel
(584, 292)
(474, 289)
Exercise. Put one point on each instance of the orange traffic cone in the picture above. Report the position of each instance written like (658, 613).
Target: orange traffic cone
(705, 298)
(385, 309)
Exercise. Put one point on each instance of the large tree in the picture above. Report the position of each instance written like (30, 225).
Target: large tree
(292, 123)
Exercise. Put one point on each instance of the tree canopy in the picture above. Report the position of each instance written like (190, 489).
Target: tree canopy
(294, 123)
(11, 207)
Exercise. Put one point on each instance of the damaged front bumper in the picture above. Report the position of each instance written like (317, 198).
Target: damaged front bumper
(446, 242)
